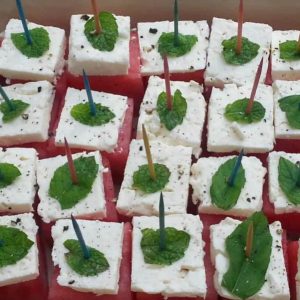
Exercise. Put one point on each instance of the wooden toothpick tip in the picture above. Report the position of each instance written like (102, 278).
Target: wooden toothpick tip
(6, 98)
(254, 88)
(148, 154)
(24, 23)
(249, 240)
(71, 163)
(89, 93)
(96, 16)
(162, 232)
(167, 83)
(239, 42)
(235, 169)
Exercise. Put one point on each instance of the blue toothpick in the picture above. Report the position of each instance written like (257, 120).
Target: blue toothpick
(176, 20)
(24, 23)
(162, 232)
(84, 248)
(6, 99)
(89, 93)
(235, 170)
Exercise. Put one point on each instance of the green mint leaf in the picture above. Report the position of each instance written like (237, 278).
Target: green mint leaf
(289, 180)
(166, 44)
(40, 42)
(249, 51)
(222, 194)
(8, 174)
(171, 118)
(246, 275)
(14, 245)
(289, 50)
(82, 113)
(143, 181)
(177, 242)
(10, 114)
(291, 106)
(92, 266)
(62, 187)
(236, 112)
(106, 40)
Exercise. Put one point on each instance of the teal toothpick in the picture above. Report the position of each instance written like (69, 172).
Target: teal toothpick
(6, 98)
(24, 23)
(89, 93)
(176, 20)
(162, 232)
(235, 170)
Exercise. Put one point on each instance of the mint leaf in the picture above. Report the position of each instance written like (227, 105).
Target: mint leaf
(246, 276)
(106, 40)
(166, 44)
(291, 106)
(62, 187)
(289, 50)
(289, 180)
(92, 266)
(10, 114)
(248, 53)
(171, 118)
(14, 245)
(8, 174)
(40, 42)
(82, 113)
(143, 181)
(177, 241)
(236, 112)
(222, 194)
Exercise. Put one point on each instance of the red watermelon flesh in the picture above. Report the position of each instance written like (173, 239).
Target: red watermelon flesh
(293, 261)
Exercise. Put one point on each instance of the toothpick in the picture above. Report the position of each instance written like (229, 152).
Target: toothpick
(249, 240)
(148, 153)
(89, 94)
(176, 20)
(162, 232)
(84, 248)
(96, 16)
(71, 163)
(6, 98)
(239, 42)
(254, 88)
(24, 23)
(167, 83)
(236, 168)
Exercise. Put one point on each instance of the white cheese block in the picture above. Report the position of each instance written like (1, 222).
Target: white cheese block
(18, 197)
(93, 206)
(298, 274)
(15, 65)
(218, 71)
(276, 283)
(185, 277)
(277, 197)
(82, 55)
(28, 267)
(104, 237)
(177, 159)
(181, 134)
(250, 199)
(151, 60)
(282, 89)
(104, 137)
(281, 68)
(227, 136)
(33, 124)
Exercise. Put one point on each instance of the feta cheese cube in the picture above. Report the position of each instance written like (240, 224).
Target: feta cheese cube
(218, 72)
(282, 89)
(82, 55)
(277, 196)
(15, 65)
(93, 206)
(104, 137)
(185, 277)
(151, 60)
(250, 199)
(281, 68)
(226, 136)
(104, 237)
(276, 283)
(177, 159)
(33, 124)
(28, 267)
(181, 134)
(18, 197)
